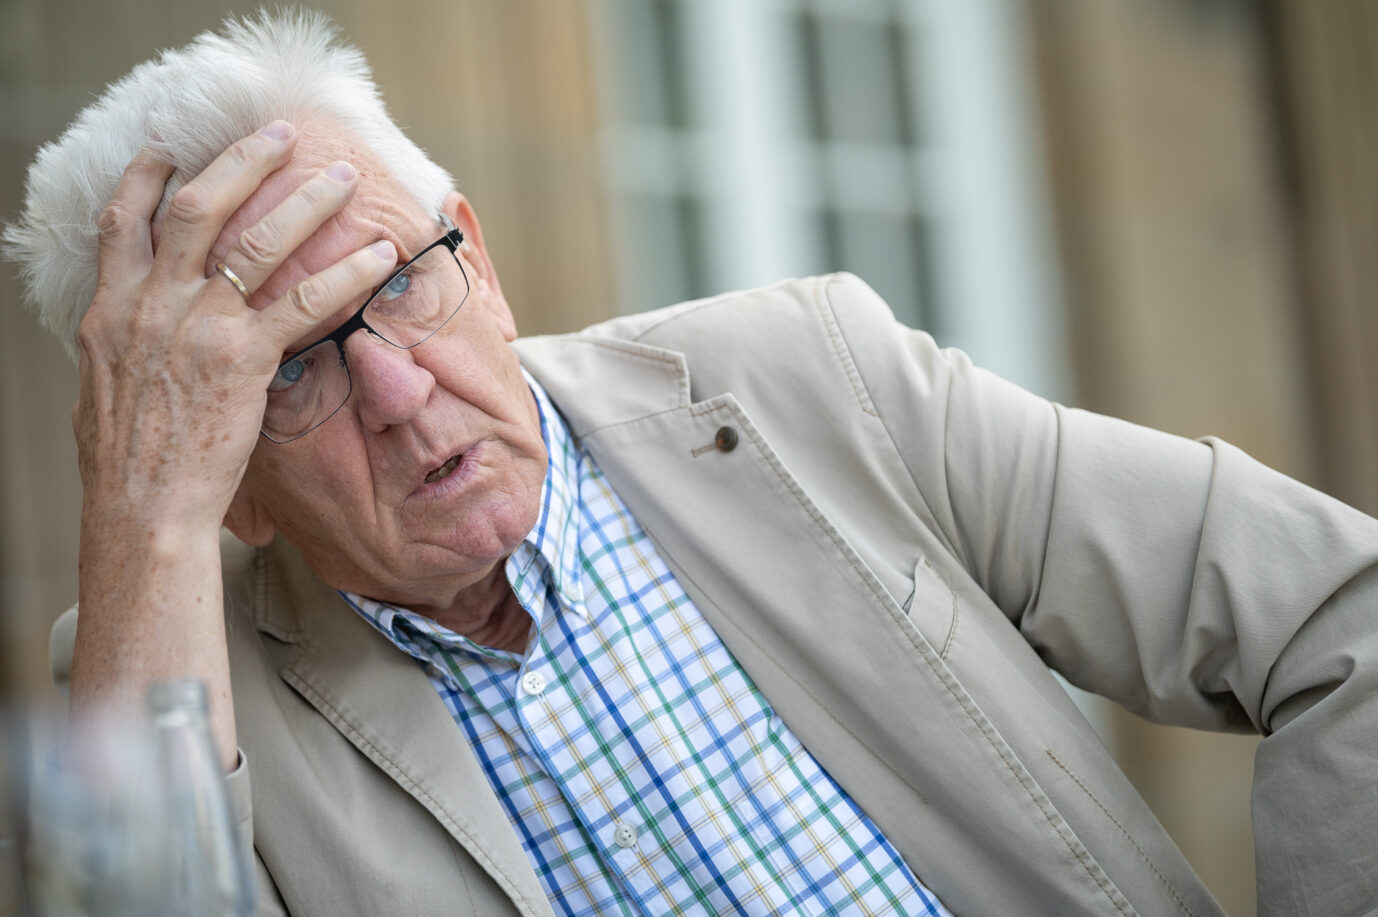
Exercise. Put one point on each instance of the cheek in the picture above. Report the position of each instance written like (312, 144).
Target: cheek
(298, 486)
(474, 375)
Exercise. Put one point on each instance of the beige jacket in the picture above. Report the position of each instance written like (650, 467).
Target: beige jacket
(896, 549)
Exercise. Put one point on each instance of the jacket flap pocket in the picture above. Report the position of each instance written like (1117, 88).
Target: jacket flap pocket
(932, 607)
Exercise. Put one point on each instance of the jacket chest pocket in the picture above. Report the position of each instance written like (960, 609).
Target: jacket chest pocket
(932, 606)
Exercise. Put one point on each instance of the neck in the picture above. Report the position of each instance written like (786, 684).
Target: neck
(487, 613)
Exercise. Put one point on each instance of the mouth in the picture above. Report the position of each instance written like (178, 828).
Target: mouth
(444, 471)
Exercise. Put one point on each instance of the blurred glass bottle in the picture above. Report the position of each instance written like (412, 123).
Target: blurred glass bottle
(209, 874)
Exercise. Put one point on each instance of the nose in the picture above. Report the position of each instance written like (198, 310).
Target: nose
(389, 386)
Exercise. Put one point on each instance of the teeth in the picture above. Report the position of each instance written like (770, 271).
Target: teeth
(443, 471)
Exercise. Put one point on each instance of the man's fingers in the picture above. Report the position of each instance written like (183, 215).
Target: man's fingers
(125, 224)
(198, 210)
(321, 295)
(261, 249)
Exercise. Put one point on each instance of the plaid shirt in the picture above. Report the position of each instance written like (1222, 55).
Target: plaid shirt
(641, 768)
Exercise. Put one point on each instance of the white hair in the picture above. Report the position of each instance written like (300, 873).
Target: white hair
(188, 105)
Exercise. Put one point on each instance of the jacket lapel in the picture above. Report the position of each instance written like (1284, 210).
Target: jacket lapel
(384, 704)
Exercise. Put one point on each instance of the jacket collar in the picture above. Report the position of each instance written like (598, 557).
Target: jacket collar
(635, 380)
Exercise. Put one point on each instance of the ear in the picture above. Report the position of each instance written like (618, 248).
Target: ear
(483, 279)
(249, 520)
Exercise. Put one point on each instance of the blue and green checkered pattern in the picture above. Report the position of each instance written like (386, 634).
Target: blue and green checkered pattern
(641, 768)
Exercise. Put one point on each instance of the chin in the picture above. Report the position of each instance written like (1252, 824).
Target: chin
(497, 531)
(429, 555)
(467, 551)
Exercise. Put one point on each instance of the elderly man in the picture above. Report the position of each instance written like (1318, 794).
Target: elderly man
(743, 606)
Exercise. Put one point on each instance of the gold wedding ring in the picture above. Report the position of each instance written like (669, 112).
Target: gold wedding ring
(233, 278)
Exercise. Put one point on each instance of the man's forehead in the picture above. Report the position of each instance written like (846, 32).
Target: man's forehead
(310, 156)
(380, 209)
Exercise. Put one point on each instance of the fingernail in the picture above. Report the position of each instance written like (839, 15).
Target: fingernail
(340, 171)
(278, 130)
(383, 249)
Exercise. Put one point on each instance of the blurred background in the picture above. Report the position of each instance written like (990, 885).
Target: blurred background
(1161, 210)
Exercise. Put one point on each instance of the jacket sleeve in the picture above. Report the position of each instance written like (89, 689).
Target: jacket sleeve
(268, 901)
(1179, 578)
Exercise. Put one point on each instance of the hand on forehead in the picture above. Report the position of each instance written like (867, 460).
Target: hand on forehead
(379, 209)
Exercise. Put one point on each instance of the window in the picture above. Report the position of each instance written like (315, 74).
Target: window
(749, 141)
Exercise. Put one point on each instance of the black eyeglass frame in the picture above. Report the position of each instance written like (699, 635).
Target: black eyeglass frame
(452, 240)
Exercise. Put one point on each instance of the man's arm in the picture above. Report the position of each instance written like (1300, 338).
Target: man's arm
(1178, 578)
(175, 366)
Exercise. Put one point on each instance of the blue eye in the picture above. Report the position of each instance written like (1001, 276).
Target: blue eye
(288, 374)
(394, 287)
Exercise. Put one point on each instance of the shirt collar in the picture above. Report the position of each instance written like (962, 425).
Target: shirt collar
(552, 546)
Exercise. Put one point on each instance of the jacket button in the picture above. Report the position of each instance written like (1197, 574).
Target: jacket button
(725, 439)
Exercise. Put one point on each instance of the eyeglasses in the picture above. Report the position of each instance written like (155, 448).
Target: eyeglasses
(413, 304)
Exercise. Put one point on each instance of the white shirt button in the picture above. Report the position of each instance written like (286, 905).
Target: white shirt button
(533, 683)
(625, 835)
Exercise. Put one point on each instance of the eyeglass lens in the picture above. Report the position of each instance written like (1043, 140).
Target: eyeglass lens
(405, 311)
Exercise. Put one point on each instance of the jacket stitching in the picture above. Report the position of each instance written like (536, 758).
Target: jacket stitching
(697, 409)
(264, 620)
(824, 302)
(844, 355)
(803, 688)
(1083, 857)
(952, 633)
(829, 321)
(726, 403)
(272, 892)
(956, 609)
(403, 780)
(463, 877)
(674, 313)
(1025, 780)
(1123, 830)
